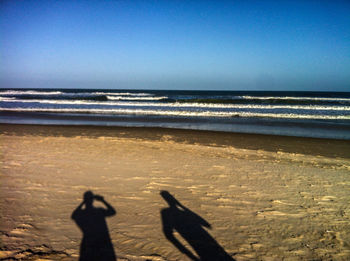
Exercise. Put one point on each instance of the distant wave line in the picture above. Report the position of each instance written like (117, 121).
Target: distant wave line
(123, 93)
(185, 105)
(30, 93)
(8, 92)
(136, 98)
(293, 98)
(182, 113)
(117, 95)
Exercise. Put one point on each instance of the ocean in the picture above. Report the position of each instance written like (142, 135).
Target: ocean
(304, 114)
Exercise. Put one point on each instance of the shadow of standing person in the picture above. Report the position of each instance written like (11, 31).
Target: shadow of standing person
(190, 226)
(96, 243)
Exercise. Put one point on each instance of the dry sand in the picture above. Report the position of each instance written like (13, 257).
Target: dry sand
(265, 197)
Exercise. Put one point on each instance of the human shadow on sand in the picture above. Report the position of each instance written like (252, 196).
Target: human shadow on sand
(191, 228)
(96, 243)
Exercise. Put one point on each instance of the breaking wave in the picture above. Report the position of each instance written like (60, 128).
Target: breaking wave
(136, 98)
(181, 113)
(123, 93)
(295, 98)
(11, 92)
(178, 104)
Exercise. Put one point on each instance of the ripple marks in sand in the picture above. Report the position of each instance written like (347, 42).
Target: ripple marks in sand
(34, 253)
(275, 213)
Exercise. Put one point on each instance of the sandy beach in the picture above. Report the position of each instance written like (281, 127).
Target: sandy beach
(248, 197)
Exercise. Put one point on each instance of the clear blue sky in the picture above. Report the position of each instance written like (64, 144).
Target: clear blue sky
(232, 45)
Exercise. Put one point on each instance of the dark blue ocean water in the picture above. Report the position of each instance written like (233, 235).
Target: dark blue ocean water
(306, 114)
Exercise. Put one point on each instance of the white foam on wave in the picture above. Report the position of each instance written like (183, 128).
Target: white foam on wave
(9, 99)
(9, 92)
(31, 92)
(181, 113)
(142, 94)
(180, 105)
(136, 98)
(294, 98)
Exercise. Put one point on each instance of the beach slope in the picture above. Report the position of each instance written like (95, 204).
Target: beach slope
(254, 197)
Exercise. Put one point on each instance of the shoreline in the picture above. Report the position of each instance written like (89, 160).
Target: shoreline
(334, 148)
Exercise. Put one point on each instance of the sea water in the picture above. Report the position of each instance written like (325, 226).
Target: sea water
(305, 114)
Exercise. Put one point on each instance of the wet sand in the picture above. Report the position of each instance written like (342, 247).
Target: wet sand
(254, 197)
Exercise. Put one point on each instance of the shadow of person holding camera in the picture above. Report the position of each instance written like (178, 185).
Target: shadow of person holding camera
(96, 243)
(190, 226)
